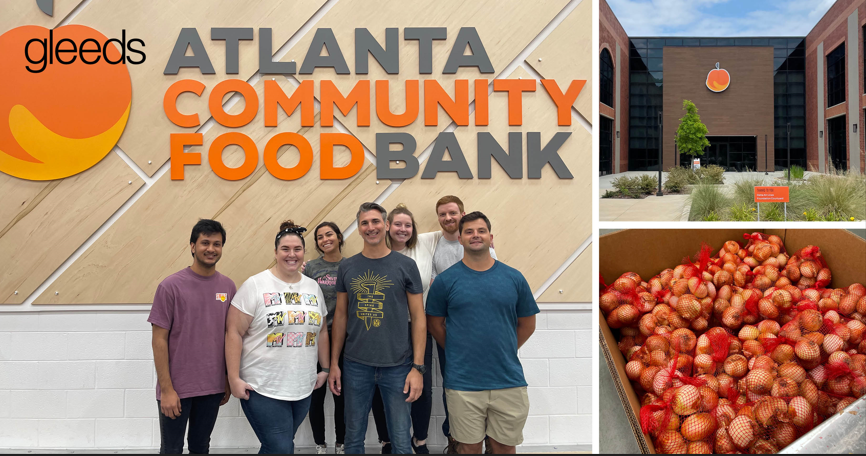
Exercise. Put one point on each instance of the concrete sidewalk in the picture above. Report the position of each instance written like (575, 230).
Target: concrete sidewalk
(650, 209)
(668, 207)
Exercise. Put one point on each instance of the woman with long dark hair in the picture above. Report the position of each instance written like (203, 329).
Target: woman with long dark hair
(329, 243)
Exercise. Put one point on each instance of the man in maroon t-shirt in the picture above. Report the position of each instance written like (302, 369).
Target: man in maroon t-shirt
(188, 319)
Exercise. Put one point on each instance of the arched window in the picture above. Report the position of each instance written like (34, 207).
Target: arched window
(606, 65)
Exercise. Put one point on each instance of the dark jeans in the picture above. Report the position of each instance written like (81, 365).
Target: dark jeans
(359, 384)
(446, 427)
(317, 412)
(275, 421)
(420, 409)
(201, 413)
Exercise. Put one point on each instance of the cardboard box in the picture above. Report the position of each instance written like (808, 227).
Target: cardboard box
(648, 252)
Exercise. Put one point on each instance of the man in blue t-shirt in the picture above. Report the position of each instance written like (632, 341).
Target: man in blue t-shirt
(482, 312)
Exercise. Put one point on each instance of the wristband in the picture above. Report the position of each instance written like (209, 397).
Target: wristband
(326, 370)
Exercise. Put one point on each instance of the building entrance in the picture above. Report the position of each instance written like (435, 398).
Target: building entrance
(605, 147)
(734, 153)
(836, 129)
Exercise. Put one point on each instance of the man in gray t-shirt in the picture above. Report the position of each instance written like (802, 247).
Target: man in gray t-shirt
(377, 290)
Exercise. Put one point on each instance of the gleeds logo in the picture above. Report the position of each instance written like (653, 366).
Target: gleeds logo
(718, 79)
(65, 99)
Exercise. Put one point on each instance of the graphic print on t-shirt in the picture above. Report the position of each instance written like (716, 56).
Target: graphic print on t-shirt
(292, 318)
(368, 290)
(275, 340)
(276, 319)
(272, 299)
(295, 339)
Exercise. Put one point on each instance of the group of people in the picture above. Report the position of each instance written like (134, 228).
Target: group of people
(363, 325)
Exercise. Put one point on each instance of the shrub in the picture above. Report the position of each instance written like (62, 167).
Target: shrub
(706, 199)
(634, 186)
(742, 213)
(712, 174)
(811, 215)
(678, 178)
(772, 212)
(744, 190)
(836, 197)
(610, 194)
(648, 184)
(797, 172)
(712, 217)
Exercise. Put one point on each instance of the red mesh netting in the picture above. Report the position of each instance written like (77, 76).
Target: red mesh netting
(742, 351)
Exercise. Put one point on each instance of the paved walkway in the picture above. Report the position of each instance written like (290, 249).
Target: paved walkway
(668, 207)
(650, 209)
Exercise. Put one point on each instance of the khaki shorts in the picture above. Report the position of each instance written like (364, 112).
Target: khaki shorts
(500, 414)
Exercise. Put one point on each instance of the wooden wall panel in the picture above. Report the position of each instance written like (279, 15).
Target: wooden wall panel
(575, 282)
(560, 51)
(505, 28)
(25, 12)
(524, 213)
(18, 197)
(155, 231)
(73, 209)
(158, 23)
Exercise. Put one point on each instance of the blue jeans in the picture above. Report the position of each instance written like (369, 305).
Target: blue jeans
(359, 383)
(275, 422)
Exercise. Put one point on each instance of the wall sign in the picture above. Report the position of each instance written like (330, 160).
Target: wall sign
(718, 79)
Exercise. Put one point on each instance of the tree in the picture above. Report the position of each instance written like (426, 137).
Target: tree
(691, 134)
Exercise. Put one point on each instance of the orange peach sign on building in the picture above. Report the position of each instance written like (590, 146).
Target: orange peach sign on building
(718, 79)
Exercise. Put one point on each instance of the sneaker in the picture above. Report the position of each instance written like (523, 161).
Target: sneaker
(419, 449)
(339, 449)
(322, 449)
(386, 448)
(487, 448)
(452, 446)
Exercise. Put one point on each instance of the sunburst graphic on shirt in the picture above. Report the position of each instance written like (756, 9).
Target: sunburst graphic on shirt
(368, 289)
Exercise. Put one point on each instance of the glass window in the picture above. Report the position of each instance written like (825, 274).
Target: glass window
(691, 42)
(725, 42)
(655, 43)
(743, 42)
(836, 76)
(708, 42)
(673, 42)
(760, 42)
(606, 78)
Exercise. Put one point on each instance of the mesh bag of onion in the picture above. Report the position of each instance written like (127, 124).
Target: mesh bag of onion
(742, 351)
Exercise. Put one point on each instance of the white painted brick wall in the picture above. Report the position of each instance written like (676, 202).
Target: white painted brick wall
(84, 380)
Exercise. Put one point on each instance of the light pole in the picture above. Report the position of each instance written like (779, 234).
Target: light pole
(766, 167)
(789, 152)
(661, 140)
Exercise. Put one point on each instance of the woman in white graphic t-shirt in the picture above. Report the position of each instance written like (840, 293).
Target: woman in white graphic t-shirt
(275, 334)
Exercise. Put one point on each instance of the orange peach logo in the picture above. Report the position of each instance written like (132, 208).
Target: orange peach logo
(66, 117)
(718, 80)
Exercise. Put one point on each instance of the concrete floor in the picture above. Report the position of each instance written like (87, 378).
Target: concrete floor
(534, 449)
